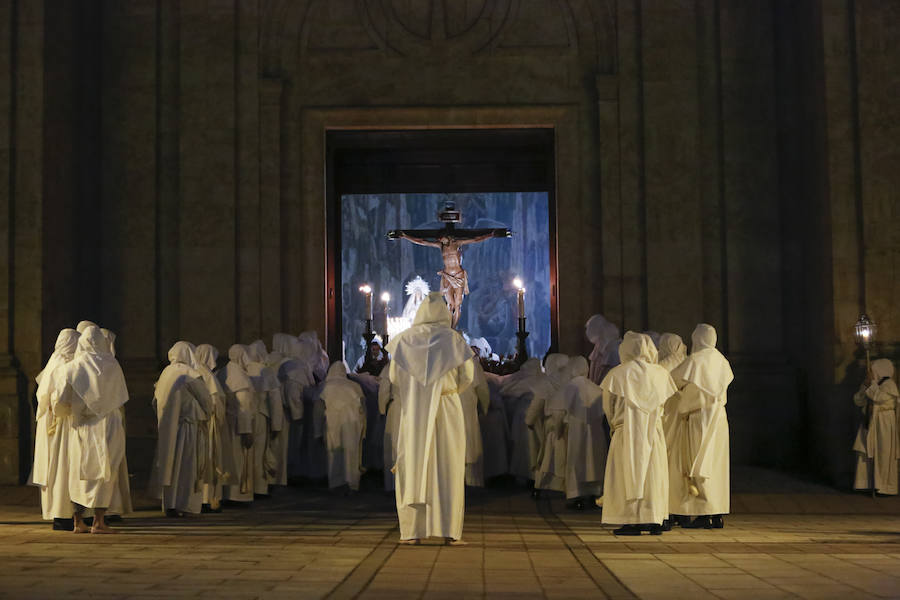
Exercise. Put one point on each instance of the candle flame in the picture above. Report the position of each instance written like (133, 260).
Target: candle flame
(517, 283)
(385, 297)
(365, 289)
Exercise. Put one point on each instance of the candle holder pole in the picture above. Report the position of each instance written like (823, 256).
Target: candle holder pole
(368, 334)
(521, 348)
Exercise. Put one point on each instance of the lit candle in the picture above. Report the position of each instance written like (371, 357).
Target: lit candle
(518, 284)
(367, 290)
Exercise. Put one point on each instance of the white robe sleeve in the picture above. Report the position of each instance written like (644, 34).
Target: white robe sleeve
(693, 398)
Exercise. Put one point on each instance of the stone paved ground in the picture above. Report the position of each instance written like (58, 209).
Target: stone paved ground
(307, 543)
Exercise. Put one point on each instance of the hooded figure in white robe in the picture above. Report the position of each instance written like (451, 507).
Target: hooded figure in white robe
(672, 353)
(600, 332)
(431, 366)
(699, 459)
(82, 325)
(295, 376)
(269, 420)
(586, 440)
(94, 393)
(314, 354)
(183, 407)
(636, 483)
(551, 474)
(528, 389)
(341, 422)
(876, 443)
(241, 417)
(220, 454)
(280, 362)
(51, 443)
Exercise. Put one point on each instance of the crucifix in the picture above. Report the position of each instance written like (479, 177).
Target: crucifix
(450, 240)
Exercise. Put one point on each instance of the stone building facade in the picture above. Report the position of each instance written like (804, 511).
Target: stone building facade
(163, 172)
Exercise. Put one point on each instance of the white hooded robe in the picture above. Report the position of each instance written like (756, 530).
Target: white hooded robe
(341, 420)
(699, 458)
(877, 445)
(183, 405)
(94, 394)
(431, 365)
(636, 482)
(586, 441)
(51, 444)
(220, 457)
(241, 417)
(528, 390)
(551, 473)
(269, 422)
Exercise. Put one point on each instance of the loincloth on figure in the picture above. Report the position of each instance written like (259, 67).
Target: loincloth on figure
(459, 280)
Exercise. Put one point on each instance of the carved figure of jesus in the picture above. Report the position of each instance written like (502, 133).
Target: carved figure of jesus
(450, 240)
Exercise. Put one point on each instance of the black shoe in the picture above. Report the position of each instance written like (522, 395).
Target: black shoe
(666, 525)
(656, 529)
(699, 523)
(63, 524)
(628, 530)
(718, 522)
(579, 504)
(172, 513)
(206, 509)
(536, 493)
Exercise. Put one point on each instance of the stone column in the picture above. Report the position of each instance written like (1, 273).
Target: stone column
(21, 149)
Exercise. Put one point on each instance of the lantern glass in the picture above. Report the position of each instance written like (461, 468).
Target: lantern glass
(865, 330)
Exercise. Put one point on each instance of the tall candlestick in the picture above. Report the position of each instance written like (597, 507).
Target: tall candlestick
(367, 290)
(521, 299)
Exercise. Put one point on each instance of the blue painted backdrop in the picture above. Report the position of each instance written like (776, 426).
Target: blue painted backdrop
(489, 310)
